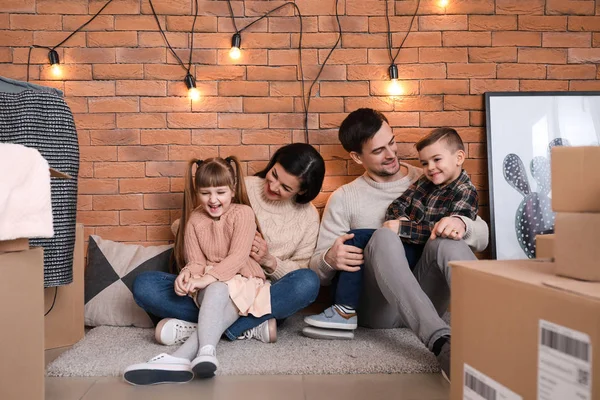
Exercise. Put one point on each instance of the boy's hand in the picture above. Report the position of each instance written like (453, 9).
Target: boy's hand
(393, 225)
(181, 282)
(449, 227)
(343, 257)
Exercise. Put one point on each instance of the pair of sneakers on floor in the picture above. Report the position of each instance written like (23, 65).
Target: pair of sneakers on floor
(336, 322)
(166, 368)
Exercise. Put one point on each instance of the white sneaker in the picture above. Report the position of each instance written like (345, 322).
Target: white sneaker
(171, 331)
(265, 332)
(205, 365)
(163, 368)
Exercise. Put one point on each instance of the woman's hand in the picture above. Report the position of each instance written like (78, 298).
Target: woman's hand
(449, 227)
(196, 284)
(260, 254)
(181, 282)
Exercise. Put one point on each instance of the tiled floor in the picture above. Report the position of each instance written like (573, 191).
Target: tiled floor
(287, 387)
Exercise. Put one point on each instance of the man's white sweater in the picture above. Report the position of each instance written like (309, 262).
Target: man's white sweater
(361, 204)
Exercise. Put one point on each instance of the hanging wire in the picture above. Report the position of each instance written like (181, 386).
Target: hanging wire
(389, 31)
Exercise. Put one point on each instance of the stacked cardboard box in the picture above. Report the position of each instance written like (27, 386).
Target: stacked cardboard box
(530, 329)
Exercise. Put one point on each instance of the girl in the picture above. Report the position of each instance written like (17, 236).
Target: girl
(212, 253)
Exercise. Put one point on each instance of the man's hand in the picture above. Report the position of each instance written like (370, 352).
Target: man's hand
(343, 257)
(393, 225)
(181, 282)
(449, 227)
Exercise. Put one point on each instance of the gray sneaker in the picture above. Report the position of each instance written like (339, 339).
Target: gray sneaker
(332, 318)
(444, 360)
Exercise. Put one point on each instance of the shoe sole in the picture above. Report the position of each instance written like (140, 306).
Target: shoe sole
(204, 369)
(158, 333)
(272, 331)
(327, 334)
(446, 377)
(144, 377)
(331, 325)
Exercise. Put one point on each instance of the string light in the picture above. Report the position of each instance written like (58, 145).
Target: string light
(443, 3)
(394, 88)
(193, 92)
(236, 42)
(55, 63)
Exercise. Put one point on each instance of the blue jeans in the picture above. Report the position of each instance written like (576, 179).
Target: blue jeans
(153, 291)
(347, 286)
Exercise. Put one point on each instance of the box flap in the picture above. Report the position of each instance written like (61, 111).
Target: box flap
(57, 174)
(589, 289)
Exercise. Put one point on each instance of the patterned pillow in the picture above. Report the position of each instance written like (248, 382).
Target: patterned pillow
(112, 267)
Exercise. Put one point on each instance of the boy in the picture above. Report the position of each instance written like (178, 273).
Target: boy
(443, 190)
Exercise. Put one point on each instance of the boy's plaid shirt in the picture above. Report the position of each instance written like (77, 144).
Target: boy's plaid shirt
(425, 203)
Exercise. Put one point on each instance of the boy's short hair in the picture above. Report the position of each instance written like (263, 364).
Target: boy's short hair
(359, 127)
(448, 135)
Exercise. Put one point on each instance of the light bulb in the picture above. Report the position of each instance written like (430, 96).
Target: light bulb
(443, 3)
(235, 53)
(194, 94)
(395, 88)
(56, 70)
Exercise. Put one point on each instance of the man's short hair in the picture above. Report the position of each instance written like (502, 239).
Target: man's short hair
(359, 127)
(450, 137)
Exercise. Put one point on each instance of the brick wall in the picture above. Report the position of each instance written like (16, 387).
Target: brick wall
(137, 127)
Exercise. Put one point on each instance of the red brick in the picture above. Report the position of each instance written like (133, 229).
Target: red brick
(331, 121)
(113, 104)
(50, 39)
(118, 202)
(442, 23)
(243, 88)
(360, 40)
(521, 71)
(365, 7)
(98, 153)
(533, 39)
(344, 56)
(539, 23)
(400, 119)
(86, 169)
(19, 72)
(348, 23)
(17, 6)
(97, 186)
(59, 6)
(36, 22)
(141, 88)
(71, 72)
(584, 85)
(16, 38)
(323, 136)
(493, 54)
(587, 71)
(477, 118)
(204, 23)
(6, 55)
(419, 39)
(218, 104)
(445, 118)
(577, 56)
(290, 57)
(445, 86)
(98, 218)
(200, 56)
(114, 137)
(216, 136)
(116, 7)
(159, 232)
(470, 39)
(163, 201)
(543, 56)
(246, 152)
(405, 71)
(286, 73)
(158, 71)
(94, 121)
(77, 104)
(136, 120)
(464, 103)
(192, 120)
(146, 217)
(480, 86)
(247, 57)
(89, 88)
(282, 24)
(112, 39)
(100, 23)
(243, 121)
(89, 56)
(408, 88)
(119, 169)
(179, 7)
(418, 103)
(210, 72)
(567, 39)
(267, 136)
(118, 71)
(122, 233)
(164, 104)
(143, 153)
(596, 39)
(144, 185)
(282, 89)
(293, 121)
(492, 22)
(463, 7)
(381, 56)
(344, 89)
(570, 7)
(329, 73)
(319, 105)
(397, 24)
(155, 39)
(178, 89)
(260, 40)
(165, 136)
(259, 8)
(443, 55)
(377, 103)
(141, 55)
(170, 168)
(520, 7)
(471, 70)
(583, 23)
(138, 22)
(266, 104)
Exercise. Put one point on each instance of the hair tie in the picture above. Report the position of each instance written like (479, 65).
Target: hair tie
(228, 159)
(199, 162)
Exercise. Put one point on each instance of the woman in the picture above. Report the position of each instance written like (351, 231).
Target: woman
(280, 196)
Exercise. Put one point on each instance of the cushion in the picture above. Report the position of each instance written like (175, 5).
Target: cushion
(112, 267)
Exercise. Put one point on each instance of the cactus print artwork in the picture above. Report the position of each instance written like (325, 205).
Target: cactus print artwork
(534, 215)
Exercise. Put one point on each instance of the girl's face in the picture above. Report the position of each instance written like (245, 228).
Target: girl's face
(215, 200)
(280, 185)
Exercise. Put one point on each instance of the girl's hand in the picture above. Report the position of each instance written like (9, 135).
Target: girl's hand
(260, 253)
(393, 225)
(181, 282)
(196, 284)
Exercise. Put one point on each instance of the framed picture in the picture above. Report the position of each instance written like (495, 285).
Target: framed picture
(522, 127)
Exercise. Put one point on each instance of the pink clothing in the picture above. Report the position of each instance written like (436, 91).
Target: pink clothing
(221, 248)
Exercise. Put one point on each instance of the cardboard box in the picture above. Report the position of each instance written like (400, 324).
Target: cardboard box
(577, 246)
(521, 332)
(576, 179)
(64, 323)
(22, 333)
(544, 246)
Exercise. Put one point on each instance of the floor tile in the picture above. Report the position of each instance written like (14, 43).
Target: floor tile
(67, 388)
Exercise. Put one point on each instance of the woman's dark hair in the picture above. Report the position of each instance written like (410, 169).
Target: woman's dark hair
(305, 163)
(359, 127)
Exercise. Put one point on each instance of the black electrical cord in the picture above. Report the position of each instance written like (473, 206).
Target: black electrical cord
(389, 32)
(53, 301)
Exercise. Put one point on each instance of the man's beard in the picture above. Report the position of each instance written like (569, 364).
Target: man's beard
(387, 172)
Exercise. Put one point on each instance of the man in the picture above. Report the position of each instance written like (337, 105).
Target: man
(393, 295)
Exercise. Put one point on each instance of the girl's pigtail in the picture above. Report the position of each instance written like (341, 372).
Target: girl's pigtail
(241, 195)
